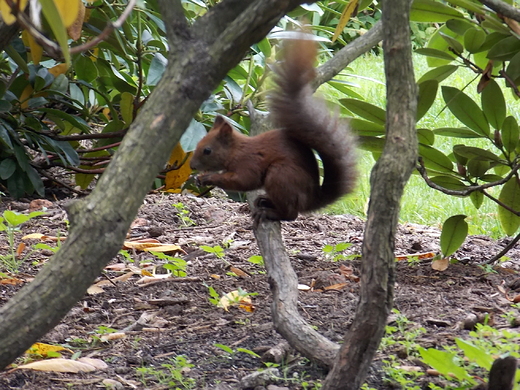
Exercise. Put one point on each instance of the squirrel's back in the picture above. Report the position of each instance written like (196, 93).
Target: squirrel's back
(307, 119)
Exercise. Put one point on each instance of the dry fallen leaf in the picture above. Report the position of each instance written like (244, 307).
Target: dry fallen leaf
(66, 365)
(38, 204)
(239, 272)
(441, 264)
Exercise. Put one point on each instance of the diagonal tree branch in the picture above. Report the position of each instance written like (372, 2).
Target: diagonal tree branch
(503, 8)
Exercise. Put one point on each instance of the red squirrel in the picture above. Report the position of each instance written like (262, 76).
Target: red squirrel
(282, 161)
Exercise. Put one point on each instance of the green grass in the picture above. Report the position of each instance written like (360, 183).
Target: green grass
(420, 204)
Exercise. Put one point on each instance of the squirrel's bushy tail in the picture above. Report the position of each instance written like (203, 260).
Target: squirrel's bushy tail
(308, 120)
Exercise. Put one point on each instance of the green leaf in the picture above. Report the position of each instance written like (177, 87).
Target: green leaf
(17, 58)
(459, 26)
(478, 167)
(36, 181)
(371, 144)
(475, 354)
(156, 70)
(465, 110)
(474, 38)
(454, 232)
(429, 11)
(265, 47)
(453, 43)
(223, 347)
(366, 128)
(437, 42)
(457, 132)
(472, 152)
(435, 53)
(444, 363)
(365, 110)
(477, 198)
(438, 74)
(426, 136)
(494, 104)
(510, 196)
(435, 159)
(127, 107)
(510, 134)
(193, 134)
(7, 168)
(513, 68)
(505, 49)
(15, 219)
(449, 182)
(468, 5)
(53, 17)
(85, 69)
(427, 94)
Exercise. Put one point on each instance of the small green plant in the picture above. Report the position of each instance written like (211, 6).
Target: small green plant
(170, 374)
(126, 255)
(183, 214)
(217, 250)
(256, 259)
(396, 375)
(334, 252)
(214, 297)
(13, 220)
(405, 334)
(174, 264)
(232, 352)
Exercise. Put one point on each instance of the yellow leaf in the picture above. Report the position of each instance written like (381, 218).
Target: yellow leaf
(36, 50)
(5, 10)
(152, 246)
(68, 10)
(74, 30)
(58, 69)
(349, 10)
(178, 159)
(95, 289)
(44, 349)
(26, 94)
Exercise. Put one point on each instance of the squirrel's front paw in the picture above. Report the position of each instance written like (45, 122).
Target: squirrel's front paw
(203, 179)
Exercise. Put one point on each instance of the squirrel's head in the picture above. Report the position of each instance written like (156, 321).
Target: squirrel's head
(212, 151)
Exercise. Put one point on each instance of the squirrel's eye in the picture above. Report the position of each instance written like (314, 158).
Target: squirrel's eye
(207, 150)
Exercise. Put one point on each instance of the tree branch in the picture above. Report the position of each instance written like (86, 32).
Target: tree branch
(348, 54)
(503, 8)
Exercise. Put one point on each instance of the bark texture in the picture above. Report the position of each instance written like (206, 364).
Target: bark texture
(200, 57)
(387, 182)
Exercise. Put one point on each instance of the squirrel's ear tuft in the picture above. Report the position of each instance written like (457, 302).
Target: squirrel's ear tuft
(222, 125)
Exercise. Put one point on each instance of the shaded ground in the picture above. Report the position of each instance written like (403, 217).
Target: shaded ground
(171, 317)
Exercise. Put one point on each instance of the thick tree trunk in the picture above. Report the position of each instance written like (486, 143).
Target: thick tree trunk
(200, 57)
(387, 181)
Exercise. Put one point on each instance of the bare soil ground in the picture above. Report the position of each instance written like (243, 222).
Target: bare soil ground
(173, 316)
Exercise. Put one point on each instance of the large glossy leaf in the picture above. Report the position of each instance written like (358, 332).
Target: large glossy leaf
(365, 110)
(366, 128)
(459, 26)
(435, 159)
(477, 198)
(426, 136)
(478, 167)
(449, 182)
(454, 232)
(505, 49)
(468, 5)
(474, 152)
(453, 43)
(438, 74)
(474, 39)
(494, 104)
(427, 94)
(466, 110)
(513, 68)
(510, 196)
(457, 132)
(430, 11)
(435, 53)
(7, 168)
(510, 134)
(438, 43)
(193, 134)
(371, 144)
